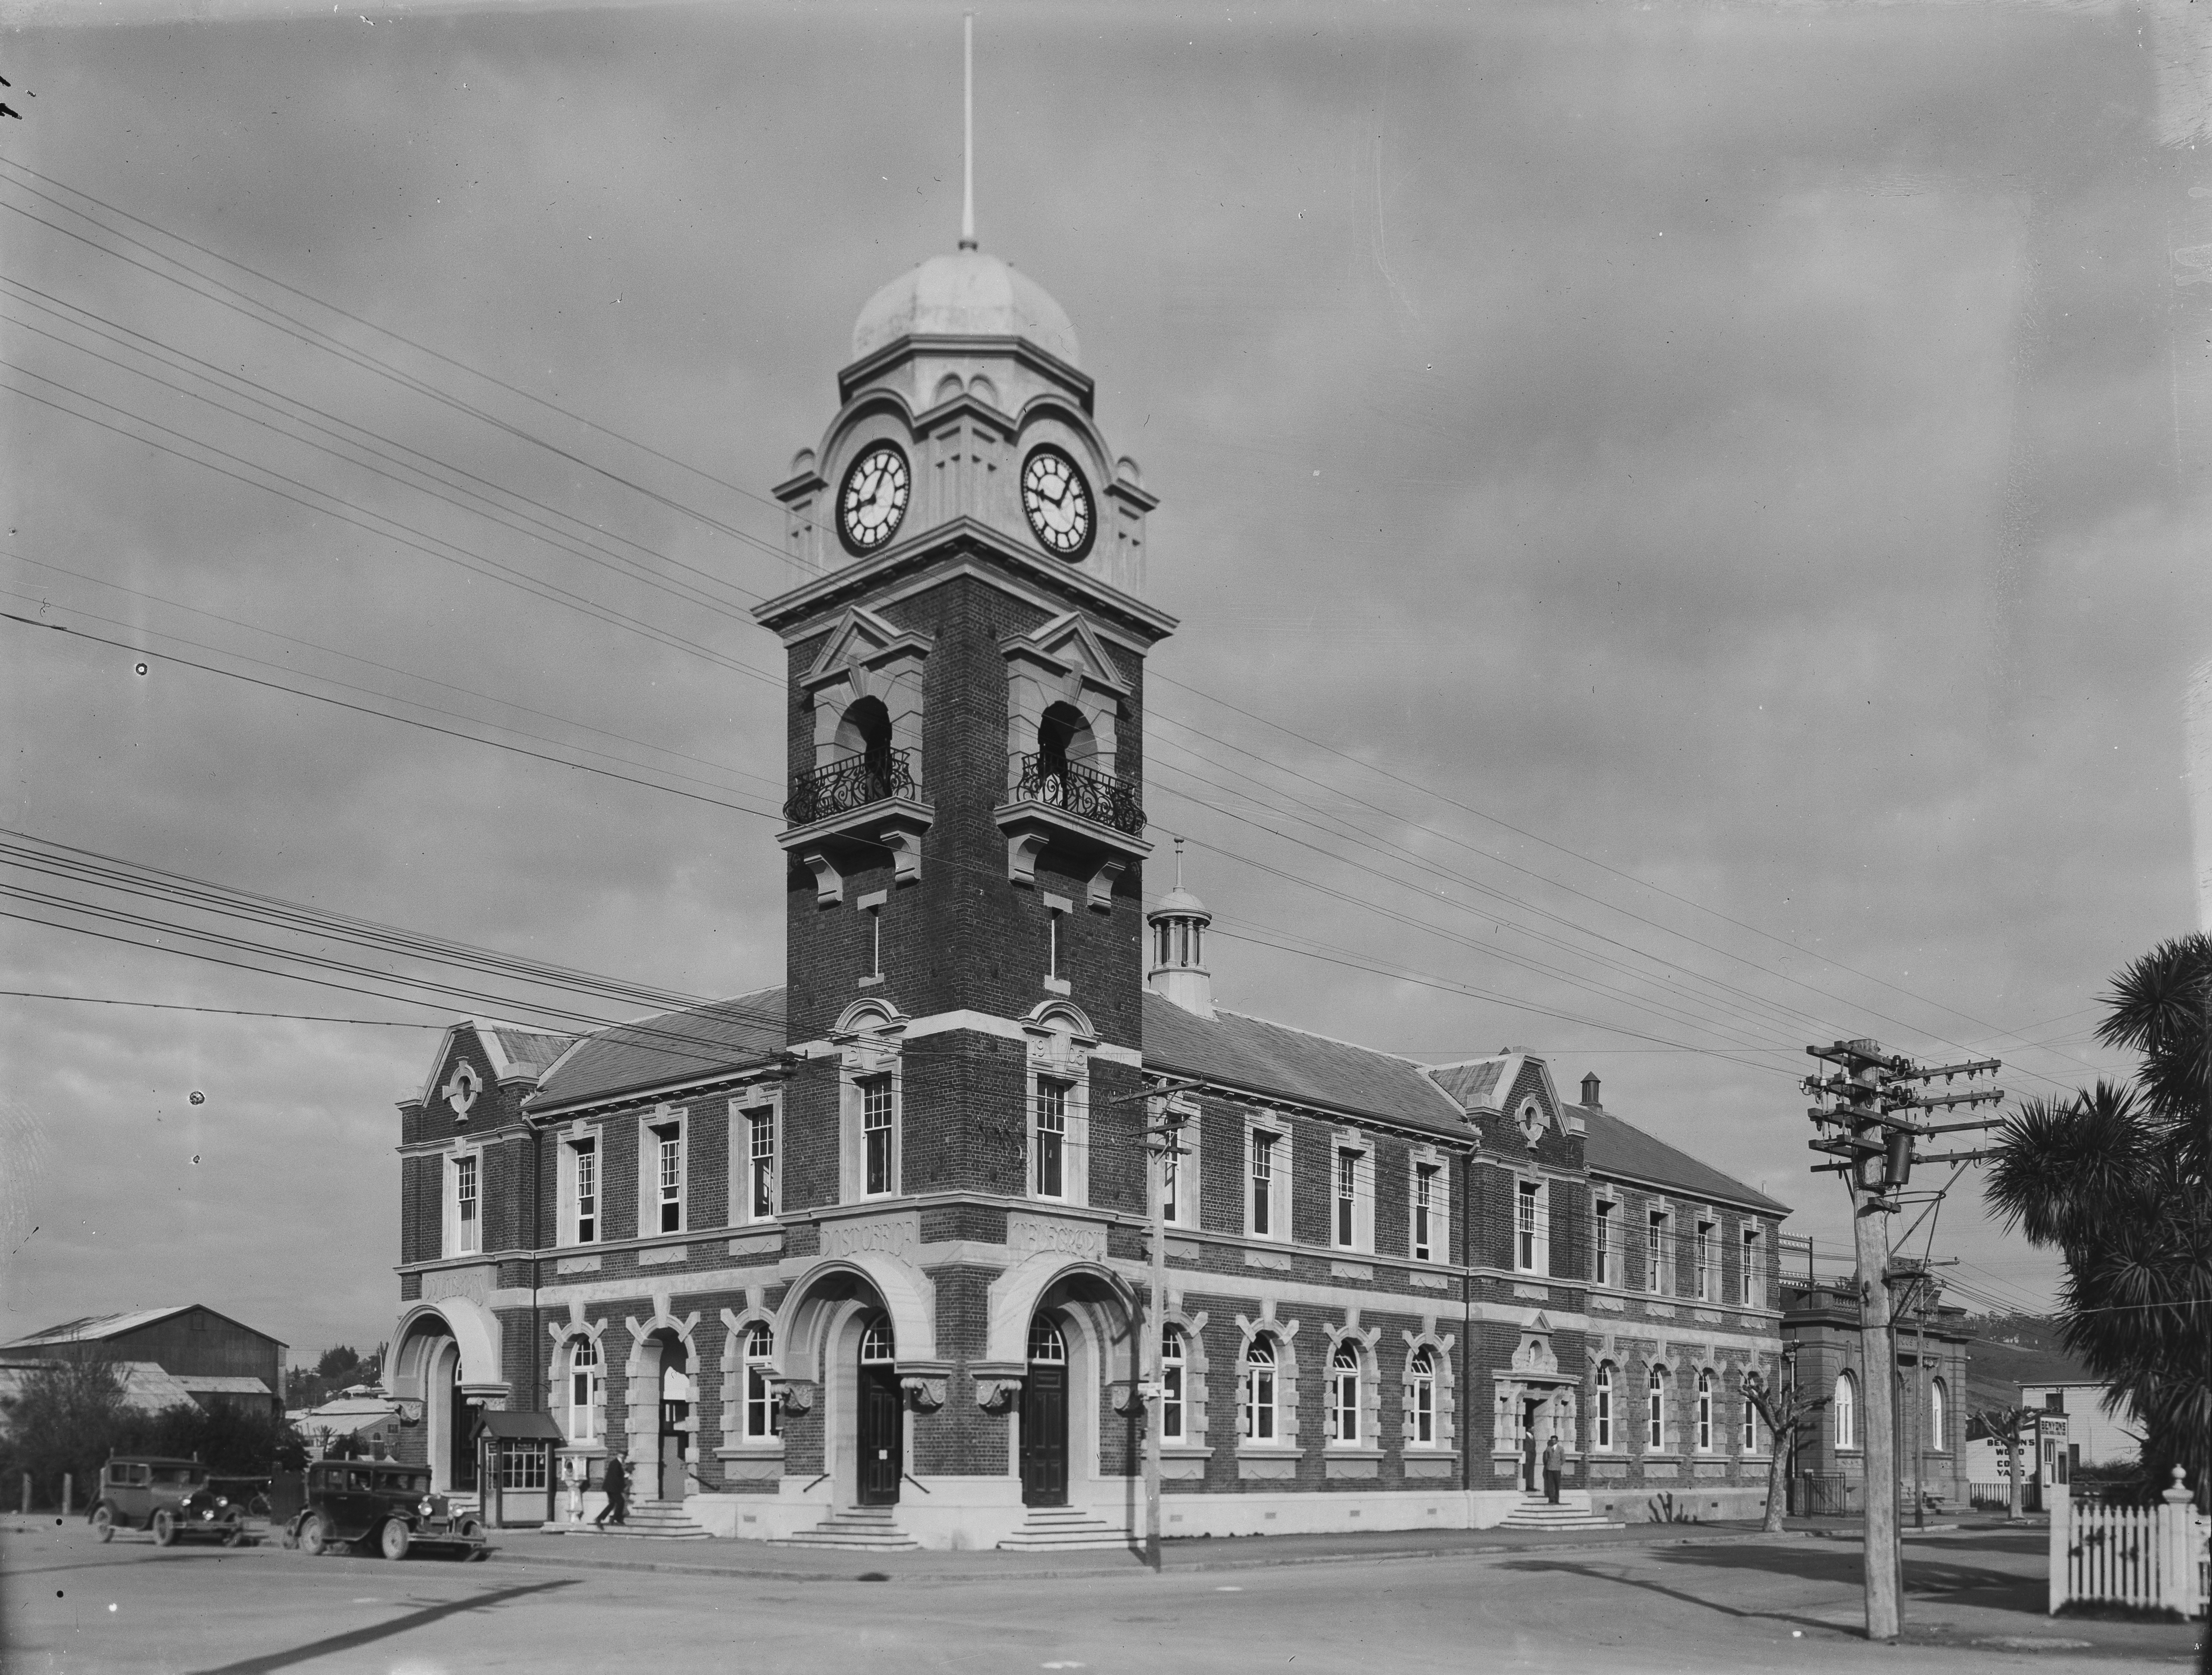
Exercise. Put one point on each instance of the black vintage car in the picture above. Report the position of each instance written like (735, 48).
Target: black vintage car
(227, 1509)
(382, 1507)
(144, 1492)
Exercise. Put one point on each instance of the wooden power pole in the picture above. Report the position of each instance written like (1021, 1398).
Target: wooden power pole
(1873, 1127)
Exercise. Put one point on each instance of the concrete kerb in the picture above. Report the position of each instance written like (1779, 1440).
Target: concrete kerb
(985, 1566)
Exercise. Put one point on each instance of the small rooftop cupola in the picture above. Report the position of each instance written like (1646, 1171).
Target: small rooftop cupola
(1590, 1089)
(1178, 970)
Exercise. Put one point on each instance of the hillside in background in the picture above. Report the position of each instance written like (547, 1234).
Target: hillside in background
(2009, 1350)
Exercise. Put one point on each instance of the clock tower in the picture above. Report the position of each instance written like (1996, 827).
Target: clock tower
(965, 831)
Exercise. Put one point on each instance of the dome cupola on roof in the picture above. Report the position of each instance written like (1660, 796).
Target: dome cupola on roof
(964, 295)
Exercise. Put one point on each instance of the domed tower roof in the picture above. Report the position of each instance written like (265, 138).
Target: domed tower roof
(965, 294)
(1180, 903)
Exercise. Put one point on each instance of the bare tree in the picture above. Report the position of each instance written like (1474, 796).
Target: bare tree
(1787, 1414)
(2006, 1425)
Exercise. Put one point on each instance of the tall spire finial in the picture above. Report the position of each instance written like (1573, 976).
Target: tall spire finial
(1178, 863)
(968, 145)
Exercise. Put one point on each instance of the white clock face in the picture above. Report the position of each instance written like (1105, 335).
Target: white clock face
(874, 498)
(1058, 502)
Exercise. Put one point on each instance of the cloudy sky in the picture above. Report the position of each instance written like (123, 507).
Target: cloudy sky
(1686, 521)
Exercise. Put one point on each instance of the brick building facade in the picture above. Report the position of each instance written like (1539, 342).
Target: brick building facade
(861, 1255)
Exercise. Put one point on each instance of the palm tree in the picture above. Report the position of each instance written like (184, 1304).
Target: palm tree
(2117, 1178)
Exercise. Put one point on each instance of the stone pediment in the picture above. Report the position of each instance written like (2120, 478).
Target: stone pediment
(1070, 649)
(862, 639)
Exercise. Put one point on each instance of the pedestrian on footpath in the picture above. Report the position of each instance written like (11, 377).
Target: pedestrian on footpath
(1555, 1457)
(617, 1487)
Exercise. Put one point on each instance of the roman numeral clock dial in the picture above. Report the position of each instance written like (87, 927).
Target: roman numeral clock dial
(874, 498)
(1058, 503)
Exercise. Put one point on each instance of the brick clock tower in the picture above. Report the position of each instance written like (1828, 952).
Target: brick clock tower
(966, 838)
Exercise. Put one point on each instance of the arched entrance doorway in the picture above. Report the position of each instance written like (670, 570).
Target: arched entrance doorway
(1044, 1416)
(675, 1433)
(880, 1439)
(444, 1362)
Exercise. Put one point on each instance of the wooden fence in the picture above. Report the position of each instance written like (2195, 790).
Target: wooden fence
(2154, 1558)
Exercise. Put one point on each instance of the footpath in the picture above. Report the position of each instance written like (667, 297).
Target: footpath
(591, 1550)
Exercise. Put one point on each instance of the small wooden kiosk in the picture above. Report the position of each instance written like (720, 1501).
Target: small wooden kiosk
(515, 1462)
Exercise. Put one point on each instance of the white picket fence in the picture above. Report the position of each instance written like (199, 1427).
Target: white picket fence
(2155, 1557)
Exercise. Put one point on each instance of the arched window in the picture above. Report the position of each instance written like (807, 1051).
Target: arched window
(1939, 1409)
(1064, 740)
(1422, 1373)
(584, 1388)
(1751, 1386)
(1045, 1342)
(877, 1344)
(1705, 1412)
(763, 1418)
(1259, 1390)
(864, 731)
(1344, 1393)
(1656, 1423)
(1847, 1411)
(1175, 1361)
(1605, 1407)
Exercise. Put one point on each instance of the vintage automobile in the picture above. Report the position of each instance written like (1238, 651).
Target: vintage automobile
(228, 1509)
(144, 1492)
(383, 1506)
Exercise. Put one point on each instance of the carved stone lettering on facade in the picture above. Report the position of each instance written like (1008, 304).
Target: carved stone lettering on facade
(472, 1284)
(879, 1235)
(1028, 1234)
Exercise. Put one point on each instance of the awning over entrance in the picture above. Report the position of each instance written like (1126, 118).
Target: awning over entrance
(498, 1422)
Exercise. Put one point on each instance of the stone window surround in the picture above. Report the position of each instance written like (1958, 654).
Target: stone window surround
(564, 1230)
(1060, 1042)
(1283, 1335)
(865, 655)
(564, 1333)
(1186, 1456)
(1363, 1344)
(449, 1213)
(1061, 661)
(1446, 1409)
(1605, 1418)
(869, 1039)
(743, 1105)
(1422, 1155)
(746, 1457)
(648, 1169)
(1281, 1159)
(1523, 1179)
(1659, 1277)
(1614, 1200)
(1340, 1140)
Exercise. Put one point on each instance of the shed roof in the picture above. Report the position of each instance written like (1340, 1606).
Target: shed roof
(686, 1045)
(99, 1328)
(1294, 1064)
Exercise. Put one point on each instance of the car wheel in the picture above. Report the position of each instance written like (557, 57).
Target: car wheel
(391, 1539)
(315, 1534)
(103, 1522)
(164, 1528)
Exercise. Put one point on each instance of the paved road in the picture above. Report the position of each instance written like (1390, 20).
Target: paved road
(70, 1604)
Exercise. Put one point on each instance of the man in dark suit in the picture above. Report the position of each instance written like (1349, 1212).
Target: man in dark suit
(1555, 1459)
(617, 1487)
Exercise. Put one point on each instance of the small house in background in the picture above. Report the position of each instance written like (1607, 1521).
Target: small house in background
(187, 1352)
(361, 1422)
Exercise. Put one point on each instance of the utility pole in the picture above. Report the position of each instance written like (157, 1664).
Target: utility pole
(1164, 1130)
(1873, 1126)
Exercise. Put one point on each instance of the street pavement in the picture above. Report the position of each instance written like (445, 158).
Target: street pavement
(1737, 1602)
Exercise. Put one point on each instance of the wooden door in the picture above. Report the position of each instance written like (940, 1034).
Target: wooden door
(670, 1484)
(1044, 1435)
(881, 1436)
(1529, 1480)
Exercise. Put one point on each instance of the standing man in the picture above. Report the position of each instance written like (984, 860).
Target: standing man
(618, 1487)
(1555, 1457)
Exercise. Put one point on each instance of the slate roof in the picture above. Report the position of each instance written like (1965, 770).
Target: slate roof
(1474, 1084)
(678, 1046)
(1260, 1057)
(1615, 1148)
(527, 1049)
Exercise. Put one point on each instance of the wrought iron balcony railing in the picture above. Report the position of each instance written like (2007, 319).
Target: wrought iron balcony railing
(850, 782)
(1084, 791)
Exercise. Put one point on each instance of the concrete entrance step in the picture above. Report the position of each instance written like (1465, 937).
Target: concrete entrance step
(1537, 1513)
(660, 1520)
(1060, 1528)
(862, 1528)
